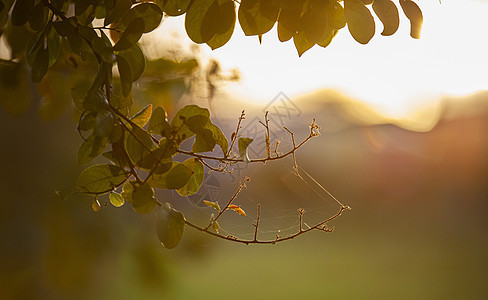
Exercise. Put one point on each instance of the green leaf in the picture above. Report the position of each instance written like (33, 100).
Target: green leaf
(359, 20)
(218, 136)
(42, 50)
(170, 225)
(65, 27)
(39, 17)
(212, 204)
(95, 99)
(86, 17)
(196, 179)
(125, 74)
(100, 9)
(115, 13)
(335, 15)
(116, 199)
(84, 99)
(131, 35)
(120, 101)
(21, 12)
(104, 123)
(387, 11)
(178, 176)
(103, 47)
(167, 147)
(158, 123)
(91, 148)
(314, 22)
(33, 45)
(142, 199)
(414, 14)
(257, 17)
(367, 2)
(86, 32)
(204, 142)
(160, 160)
(242, 144)
(197, 29)
(4, 13)
(118, 155)
(135, 59)
(116, 134)
(174, 7)
(326, 39)
(81, 6)
(197, 123)
(302, 44)
(87, 121)
(138, 145)
(100, 179)
(174, 179)
(53, 46)
(40, 64)
(148, 12)
(178, 124)
(142, 117)
(288, 24)
(215, 226)
(140, 196)
(224, 24)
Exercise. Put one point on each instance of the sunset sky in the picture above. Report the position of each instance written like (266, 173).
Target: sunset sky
(395, 75)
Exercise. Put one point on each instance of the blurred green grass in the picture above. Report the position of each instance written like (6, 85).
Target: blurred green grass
(334, 266)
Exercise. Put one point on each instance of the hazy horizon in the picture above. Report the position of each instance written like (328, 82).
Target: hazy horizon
(394, 75)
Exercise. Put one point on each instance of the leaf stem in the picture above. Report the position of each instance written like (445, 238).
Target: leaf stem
(242, 186)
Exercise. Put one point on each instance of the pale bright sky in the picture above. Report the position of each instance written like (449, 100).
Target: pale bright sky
(395, 74)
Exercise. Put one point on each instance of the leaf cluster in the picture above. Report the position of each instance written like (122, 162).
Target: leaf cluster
(307, 22)
(144, 144)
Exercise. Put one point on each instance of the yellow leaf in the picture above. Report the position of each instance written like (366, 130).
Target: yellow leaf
(212, 204)
(237, 209)
(96, 206)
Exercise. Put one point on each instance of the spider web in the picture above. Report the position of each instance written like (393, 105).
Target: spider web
(275, 186)
(279, 191)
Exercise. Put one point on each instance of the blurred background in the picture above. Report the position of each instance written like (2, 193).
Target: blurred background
(415, 176)
(417, 228)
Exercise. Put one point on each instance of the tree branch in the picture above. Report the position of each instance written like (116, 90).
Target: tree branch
(321, 226)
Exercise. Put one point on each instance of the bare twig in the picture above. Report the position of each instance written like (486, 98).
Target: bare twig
(314, 132)
(257, 224)
(266, 135)
(242, 186)
(321, 226)
(235, 134)
(301, 211)
(295, 166)
(277, 143)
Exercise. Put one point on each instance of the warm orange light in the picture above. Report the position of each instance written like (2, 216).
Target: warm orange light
(395, 75)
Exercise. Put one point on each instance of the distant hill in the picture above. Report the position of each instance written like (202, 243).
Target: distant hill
(366, 157)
